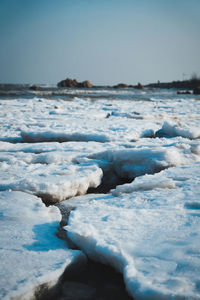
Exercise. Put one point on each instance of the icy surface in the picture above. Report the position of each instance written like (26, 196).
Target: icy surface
(30, 252)
(45, 178)
(151, 233)
(147, 228)
(171, 130)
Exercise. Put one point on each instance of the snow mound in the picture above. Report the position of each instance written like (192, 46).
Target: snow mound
(131, 163)
(149, 229)
(30, 252)
(151, 235)
(54, 136)
(173, 130)
(145, 183)
(54, 182)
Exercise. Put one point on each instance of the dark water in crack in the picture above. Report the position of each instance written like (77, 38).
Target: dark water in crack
(100, 281)
(85, 279)
(106, 187)
(109, 181)
(90, 281)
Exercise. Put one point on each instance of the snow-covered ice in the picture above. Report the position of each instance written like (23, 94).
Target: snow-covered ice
(30, 252)
(171, 130)
(53, 182)
(150, 231)
(147, 227)
(50, 136)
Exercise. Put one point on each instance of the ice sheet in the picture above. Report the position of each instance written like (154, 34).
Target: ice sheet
(148, 229)
(55, 182)
(150, 232)
(30, 252)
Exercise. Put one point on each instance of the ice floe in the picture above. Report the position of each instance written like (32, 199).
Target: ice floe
(149, 232)
(142, 148)
(53, 182)
(171, 130)
(30, 252)
(51, 136)
(135, 162)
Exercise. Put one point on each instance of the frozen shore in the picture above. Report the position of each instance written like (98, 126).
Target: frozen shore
(128, 168)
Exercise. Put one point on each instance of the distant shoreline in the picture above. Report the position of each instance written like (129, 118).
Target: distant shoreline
(192, 84)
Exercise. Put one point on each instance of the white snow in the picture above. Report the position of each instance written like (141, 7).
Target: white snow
(151, 234)
(147, 229)
(30, 252)
(51, 136)
(55, 182)
(130, 163)
(171, 130)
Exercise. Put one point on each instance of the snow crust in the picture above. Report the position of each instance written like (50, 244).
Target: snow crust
(171, 130)
(147, 229)
(150, 232)
(131, 163)
(30, 252)
(55, 182)
(51, 136)
(103, 120)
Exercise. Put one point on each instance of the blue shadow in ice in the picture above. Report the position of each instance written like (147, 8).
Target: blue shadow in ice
(45, 238)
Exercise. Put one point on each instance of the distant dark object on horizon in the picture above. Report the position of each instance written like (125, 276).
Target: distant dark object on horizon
(196, 91)
(139, 86)
(186, 85)
(35, 87)
(121, 86)
(73, 83)
(124, 86)
(184, 93)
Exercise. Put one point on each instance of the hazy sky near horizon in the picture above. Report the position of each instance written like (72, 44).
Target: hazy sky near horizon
(104, 41)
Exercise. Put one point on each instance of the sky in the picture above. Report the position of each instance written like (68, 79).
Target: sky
(103, 41)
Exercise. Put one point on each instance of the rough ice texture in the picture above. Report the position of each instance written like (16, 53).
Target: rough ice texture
(146, 160)
(55, 182)
(151, 234)
(59, 171)
(51, 136)
(172, 130)
(148, 229)
(30, 252)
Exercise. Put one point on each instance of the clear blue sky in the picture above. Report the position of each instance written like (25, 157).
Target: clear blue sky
(104, 41)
